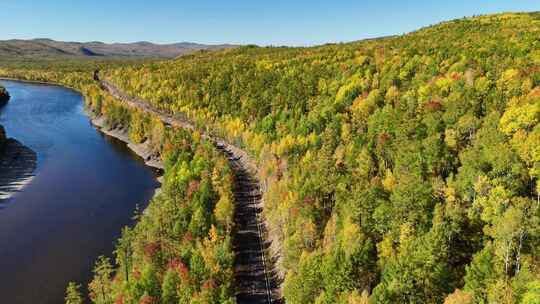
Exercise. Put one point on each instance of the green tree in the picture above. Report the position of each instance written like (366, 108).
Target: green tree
(481, 274)
(532, 295)
(305, 286)
(171, 282)
(100, 287)
(73, 294)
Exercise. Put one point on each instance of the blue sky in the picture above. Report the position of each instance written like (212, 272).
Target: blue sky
(269, 22)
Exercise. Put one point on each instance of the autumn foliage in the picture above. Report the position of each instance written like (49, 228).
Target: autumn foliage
(397, 170)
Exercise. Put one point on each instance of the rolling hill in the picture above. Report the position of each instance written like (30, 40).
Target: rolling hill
(52, 48)
(399, 170)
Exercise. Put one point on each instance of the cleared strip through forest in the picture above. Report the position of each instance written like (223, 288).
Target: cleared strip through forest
(256, 279)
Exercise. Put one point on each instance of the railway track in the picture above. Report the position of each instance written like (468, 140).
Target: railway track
(256, 281)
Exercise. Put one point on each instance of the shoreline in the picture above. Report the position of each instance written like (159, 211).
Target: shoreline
(16, 185)
(39, 82)
(142, 150)
(35, 82)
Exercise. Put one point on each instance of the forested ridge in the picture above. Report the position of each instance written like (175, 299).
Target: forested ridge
(401, 169)
(397, 170)
(180, 250)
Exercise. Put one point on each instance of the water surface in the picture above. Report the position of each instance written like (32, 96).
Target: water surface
(86, 189)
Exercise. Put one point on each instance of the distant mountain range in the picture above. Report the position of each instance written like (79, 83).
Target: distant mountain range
(52, 48)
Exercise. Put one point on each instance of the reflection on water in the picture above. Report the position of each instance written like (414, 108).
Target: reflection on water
(86, 189)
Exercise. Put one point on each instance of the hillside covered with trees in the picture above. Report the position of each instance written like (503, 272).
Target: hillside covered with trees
(403, 169)
(397, 170)
(180, 251)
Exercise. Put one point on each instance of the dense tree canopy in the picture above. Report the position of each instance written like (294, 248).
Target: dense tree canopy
(397, 170)
(400, 169)
(180, 250)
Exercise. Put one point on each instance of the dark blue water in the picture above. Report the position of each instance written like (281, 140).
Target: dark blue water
(87, 187)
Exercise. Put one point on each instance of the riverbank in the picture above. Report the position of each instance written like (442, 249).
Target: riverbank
(50, 83)
(143, 150)
(86, 189)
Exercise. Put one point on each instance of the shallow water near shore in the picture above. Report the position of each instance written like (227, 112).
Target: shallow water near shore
(87, 187)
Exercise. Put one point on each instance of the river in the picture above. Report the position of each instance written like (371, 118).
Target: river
(87, 187)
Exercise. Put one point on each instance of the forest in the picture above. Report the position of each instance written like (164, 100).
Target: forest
(397, 170)
(180, 249)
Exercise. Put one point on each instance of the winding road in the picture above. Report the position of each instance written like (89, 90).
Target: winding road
(256, 279)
